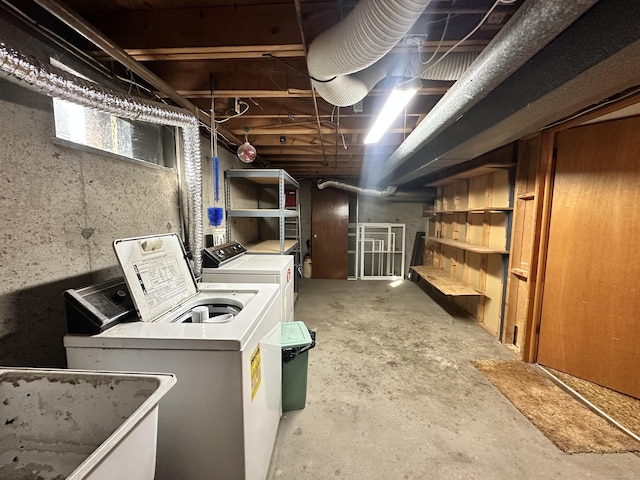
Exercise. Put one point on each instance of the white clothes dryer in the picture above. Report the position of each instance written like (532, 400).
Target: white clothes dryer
(221, 418)
(229, 263)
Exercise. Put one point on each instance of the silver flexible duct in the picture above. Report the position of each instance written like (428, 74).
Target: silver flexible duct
(355, 44)
(40, 77)
(362, 191)
(533, 26)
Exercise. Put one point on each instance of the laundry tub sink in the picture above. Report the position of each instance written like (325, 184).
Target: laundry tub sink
(70, 424)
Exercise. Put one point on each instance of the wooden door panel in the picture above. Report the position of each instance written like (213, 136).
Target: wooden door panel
(330, 233)
(590, 325)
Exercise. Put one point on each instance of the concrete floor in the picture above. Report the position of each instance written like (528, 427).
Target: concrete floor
(392, 394)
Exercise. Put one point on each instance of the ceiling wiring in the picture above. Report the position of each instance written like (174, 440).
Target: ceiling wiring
(437, 49)
(239, 114)
(474, 30)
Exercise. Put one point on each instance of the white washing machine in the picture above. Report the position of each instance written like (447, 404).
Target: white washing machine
(221, 418)
(229, 262)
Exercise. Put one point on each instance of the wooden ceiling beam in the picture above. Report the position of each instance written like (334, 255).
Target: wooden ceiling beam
(210, 53)
(240, 52)
(287, 150)
(290, 93)
(296, 131)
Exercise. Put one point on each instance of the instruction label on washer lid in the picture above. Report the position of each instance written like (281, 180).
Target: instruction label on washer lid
(256, 372)
(160, 279)
(157, 273)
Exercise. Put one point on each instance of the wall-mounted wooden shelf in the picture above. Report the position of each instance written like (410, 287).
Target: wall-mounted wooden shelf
(520, 272)
(491, 210)
(444, 282)
(473, 210)
(475, 172)
(469, 247)
(468, 238)
(526, 196)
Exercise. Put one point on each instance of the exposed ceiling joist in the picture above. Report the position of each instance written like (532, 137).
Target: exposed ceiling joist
(210, 53)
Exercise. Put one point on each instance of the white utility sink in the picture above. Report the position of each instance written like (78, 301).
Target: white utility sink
(70, 424)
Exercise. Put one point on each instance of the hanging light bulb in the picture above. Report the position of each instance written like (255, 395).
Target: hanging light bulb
(246, 152)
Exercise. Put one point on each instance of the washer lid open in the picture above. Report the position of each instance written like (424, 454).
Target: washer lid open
(157, 273)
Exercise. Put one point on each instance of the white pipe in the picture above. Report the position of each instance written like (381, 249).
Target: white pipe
(43, 78)
(390, 190)
(590, 405)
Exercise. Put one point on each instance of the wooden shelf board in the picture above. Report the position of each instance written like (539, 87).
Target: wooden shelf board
(520, 272)
(476, 210)
(444, 282)
(469, 247)
(264, 176)
(491, 210)
(271, 247)
(475, 172)
(526, 196)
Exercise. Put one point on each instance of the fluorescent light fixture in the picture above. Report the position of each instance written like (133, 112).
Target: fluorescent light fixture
(396, 102)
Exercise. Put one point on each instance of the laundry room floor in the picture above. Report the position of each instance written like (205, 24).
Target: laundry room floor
(392, 394)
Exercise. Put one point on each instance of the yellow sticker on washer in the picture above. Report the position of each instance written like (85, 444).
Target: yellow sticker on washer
(256, 372)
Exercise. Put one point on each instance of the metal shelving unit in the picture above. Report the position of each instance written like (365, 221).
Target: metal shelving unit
(288, 218)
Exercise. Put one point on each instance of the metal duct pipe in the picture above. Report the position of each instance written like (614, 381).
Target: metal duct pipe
(352, 188)
(42, 78)
(533, 26)
(363, 38)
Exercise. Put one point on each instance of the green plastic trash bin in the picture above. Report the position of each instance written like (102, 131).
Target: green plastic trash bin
(297, 340)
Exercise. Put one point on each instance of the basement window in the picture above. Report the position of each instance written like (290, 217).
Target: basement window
(94, 130)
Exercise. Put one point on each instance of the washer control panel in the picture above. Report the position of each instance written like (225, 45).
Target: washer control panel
(214, 257)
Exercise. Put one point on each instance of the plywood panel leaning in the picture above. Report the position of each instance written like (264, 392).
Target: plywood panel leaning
(589, 325)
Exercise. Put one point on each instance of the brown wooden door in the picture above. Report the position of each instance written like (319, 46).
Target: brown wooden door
(590, 324)
(330, 233)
